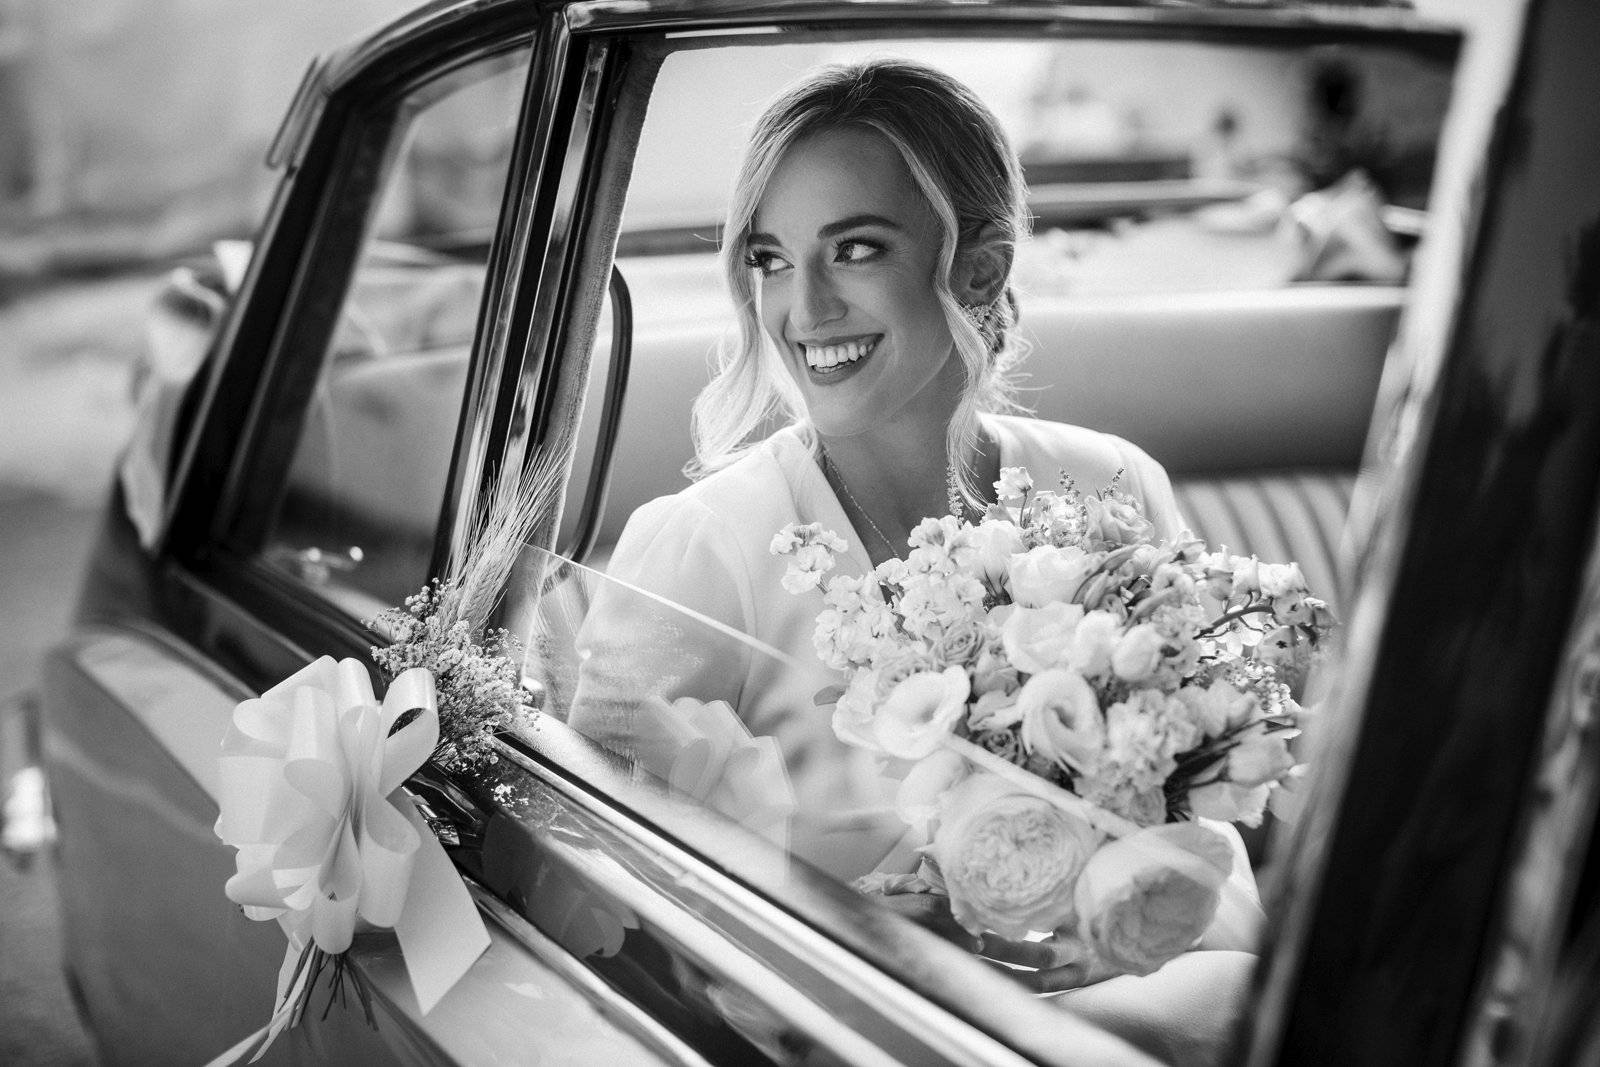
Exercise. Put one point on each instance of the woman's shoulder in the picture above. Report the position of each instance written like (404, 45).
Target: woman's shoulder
(752, 493)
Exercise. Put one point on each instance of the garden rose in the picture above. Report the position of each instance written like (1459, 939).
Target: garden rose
(1061, 719)
(920, 712)
(1147, 897)
(1009, 859)
(1115, 521)
(1047, 574)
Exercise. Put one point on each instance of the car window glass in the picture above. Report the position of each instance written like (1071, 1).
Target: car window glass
(363, 496)
(1222, 239)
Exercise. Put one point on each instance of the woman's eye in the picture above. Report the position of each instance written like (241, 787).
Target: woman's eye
(855, 251)
(768, 263)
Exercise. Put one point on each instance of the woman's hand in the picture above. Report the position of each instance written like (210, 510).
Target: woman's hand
(1053, 965)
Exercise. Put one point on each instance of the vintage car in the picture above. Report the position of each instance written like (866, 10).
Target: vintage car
(494, 241)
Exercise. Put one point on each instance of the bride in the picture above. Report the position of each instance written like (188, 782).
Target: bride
(868, 249)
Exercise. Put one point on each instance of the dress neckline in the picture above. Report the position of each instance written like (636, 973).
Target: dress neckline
(817, 502)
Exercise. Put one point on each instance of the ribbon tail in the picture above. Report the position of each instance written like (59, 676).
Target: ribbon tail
(440, 931)
(290, 985)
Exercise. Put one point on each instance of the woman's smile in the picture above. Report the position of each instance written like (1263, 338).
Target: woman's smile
(834, 360)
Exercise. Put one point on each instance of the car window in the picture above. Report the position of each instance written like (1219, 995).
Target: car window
(1222, 237)
(358, 513)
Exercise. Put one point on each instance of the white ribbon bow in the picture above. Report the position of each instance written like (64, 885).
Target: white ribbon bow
(309, 790)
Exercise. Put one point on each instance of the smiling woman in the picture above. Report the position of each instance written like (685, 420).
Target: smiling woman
(868, 247)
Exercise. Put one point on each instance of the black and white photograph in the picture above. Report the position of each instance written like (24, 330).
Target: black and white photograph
(836, 532)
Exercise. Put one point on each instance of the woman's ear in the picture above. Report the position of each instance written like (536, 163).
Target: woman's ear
(982, 267)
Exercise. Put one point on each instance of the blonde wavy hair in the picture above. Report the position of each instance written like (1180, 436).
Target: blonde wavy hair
(963, 163)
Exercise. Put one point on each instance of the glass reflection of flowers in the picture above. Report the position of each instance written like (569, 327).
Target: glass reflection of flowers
(1110, 687)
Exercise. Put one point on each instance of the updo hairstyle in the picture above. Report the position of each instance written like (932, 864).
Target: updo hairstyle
(961, 160)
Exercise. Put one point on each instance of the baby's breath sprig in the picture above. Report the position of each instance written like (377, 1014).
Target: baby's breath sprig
(443, 627)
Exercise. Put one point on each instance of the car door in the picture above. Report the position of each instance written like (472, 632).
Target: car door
(317, 484)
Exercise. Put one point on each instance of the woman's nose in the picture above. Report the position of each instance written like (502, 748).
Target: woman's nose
(816, 301)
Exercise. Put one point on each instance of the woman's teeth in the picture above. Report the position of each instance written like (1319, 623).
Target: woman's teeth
(826, 358)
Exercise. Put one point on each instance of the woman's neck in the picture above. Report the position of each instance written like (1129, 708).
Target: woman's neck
(890, 478)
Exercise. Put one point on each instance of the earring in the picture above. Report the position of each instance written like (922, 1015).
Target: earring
(982, 316)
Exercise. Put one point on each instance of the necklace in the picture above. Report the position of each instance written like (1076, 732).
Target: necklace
(952, 495)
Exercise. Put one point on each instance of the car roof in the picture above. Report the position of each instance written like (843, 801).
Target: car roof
(428, 18)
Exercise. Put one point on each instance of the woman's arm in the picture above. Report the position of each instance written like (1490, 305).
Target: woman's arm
(1186, 1013)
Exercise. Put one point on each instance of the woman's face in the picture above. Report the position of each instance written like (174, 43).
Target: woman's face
(844, 246)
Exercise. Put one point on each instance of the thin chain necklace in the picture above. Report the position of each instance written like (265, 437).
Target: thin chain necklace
(952, 495)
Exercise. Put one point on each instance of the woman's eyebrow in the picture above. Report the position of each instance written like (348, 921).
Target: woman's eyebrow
(762, 239)
(833, 229)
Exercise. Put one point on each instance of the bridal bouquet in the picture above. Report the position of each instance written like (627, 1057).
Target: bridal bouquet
(1073, 694)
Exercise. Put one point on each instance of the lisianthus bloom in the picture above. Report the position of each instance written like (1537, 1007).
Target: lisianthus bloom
(1093, 643)
(920, 712)
(1138, 653)
(928, 781)
(1036, 639)
(1009, 858)
(1147, 897)
(1061, 719)
(994, 543)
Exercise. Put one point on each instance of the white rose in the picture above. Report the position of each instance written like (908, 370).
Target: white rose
(1230, 802)
(1061, 719)
(1138, 653)
(1147, 897)
(1217, 707)
(920, 712)
(1009, 859)
(1259, 759)
(1036, 639)
(1047, 574)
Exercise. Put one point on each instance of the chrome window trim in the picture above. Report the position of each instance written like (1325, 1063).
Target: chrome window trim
(512, 272)
(721, 17)
(763, 947)
(606, 1000)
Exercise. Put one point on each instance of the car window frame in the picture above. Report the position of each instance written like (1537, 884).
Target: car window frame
(549, 375)
(308, 247)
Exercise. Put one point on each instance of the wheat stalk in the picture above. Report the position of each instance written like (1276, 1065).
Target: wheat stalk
(476, 575)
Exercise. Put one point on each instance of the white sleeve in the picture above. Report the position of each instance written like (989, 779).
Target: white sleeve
(1148, 481)
(644, 641)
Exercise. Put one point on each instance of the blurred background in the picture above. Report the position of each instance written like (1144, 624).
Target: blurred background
(132, 137)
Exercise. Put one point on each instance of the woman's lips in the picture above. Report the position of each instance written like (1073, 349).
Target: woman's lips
(828, 362)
